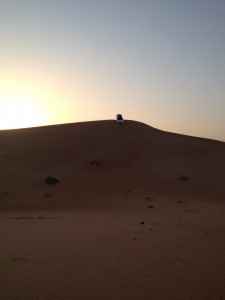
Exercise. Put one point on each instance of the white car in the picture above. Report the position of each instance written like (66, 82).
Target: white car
(119, 119)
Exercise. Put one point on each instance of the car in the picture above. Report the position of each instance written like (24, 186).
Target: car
(119, 119)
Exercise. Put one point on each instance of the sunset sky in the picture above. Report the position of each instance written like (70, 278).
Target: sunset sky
(161, 62)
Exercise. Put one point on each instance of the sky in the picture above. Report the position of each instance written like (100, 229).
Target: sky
(160, 62)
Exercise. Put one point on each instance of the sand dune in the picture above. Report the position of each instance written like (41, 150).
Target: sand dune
(139, 213)
(133, 157)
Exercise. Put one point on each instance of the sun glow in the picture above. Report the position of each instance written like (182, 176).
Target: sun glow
(18, 111)
(28, 103)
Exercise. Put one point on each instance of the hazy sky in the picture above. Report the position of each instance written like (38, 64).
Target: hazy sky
(161, 62)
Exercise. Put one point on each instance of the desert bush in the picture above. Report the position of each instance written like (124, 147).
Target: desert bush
(5, 194)
(51, 180)
(183, 177)
(96, 163)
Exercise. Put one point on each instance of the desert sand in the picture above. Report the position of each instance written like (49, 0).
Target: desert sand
(139, 213)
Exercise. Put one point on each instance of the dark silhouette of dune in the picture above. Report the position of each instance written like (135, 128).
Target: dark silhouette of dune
(95, 211)
(134, 156)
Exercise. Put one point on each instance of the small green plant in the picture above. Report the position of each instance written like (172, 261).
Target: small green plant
(51, 180)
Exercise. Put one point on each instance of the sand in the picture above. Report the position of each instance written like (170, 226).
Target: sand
(147, 221)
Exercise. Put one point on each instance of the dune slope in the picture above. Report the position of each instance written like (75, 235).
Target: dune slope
(130, 157)
(138, 214)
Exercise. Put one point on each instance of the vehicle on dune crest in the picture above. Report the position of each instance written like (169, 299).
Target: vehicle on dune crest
(119, 119)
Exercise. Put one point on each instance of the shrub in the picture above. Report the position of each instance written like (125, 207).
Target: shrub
(96, 163)
(5, 194)
(150, 206)
(51, 180)
(183, 177)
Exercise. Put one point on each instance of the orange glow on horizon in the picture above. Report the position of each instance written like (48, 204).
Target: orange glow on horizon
(24, 103)
(18, 112)
(18, 106)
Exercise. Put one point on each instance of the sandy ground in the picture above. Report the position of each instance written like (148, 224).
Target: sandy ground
(129, 228)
